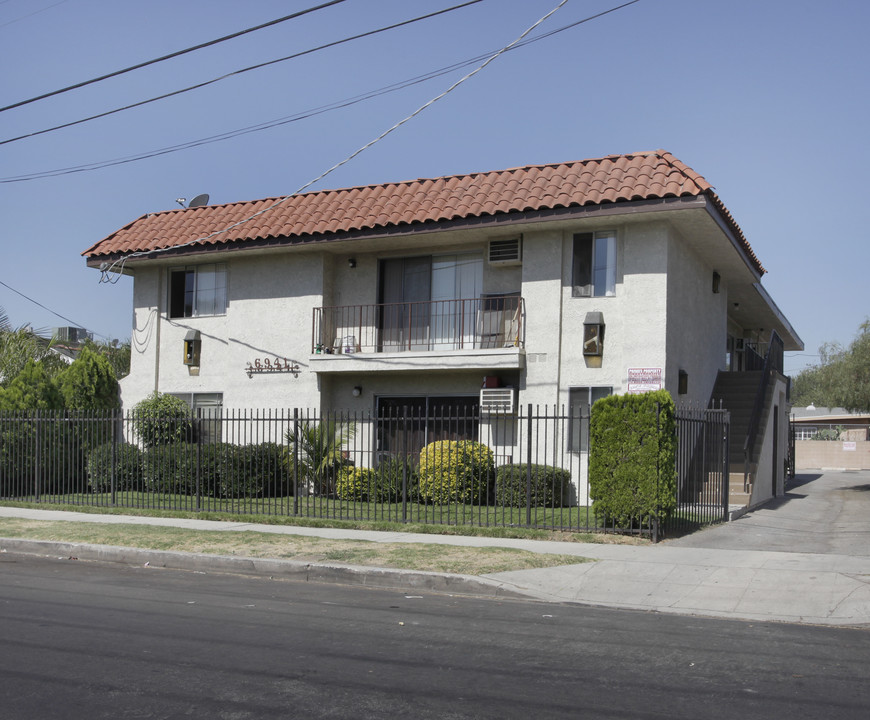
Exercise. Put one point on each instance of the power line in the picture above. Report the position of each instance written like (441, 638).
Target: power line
(176, 54)
(302, 115)
(108, 270)
(35, 12)
(237, 72)
(56, 314)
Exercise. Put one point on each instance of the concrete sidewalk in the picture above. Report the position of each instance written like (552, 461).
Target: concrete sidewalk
(745, 582)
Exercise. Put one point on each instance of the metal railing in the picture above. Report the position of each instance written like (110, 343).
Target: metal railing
(773, 363)
(527, 469)
(486, 322)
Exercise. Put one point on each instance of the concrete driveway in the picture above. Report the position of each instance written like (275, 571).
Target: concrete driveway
(822, 513)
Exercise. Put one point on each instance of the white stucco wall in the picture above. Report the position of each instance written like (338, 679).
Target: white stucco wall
(696, 323)
(270, 300)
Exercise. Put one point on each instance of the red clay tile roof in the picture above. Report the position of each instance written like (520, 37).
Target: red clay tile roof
(611, 179)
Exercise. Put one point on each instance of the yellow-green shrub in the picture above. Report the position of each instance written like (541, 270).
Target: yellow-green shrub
(455, 471)
(354, 483)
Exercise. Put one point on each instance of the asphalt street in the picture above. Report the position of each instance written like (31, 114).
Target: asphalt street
(92, 640)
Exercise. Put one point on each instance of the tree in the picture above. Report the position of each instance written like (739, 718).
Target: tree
(118, 355)
(89, 383)
(842, 378)
(32, 389)
(18, 345)
(317, 447)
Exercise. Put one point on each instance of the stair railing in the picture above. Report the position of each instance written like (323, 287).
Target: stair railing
(773, 362)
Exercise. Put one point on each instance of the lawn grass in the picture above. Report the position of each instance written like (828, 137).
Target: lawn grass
(409, 556)
(576, 524)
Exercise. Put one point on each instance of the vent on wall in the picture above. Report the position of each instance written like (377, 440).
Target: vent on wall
(506, 251)
(497, 401)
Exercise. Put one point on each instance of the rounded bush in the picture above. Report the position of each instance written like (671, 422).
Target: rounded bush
(128, 467)
(549, 485)
(455, 471)
(162, 419)
(355, 483)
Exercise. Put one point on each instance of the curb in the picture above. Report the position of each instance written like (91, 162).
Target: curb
(371, 577)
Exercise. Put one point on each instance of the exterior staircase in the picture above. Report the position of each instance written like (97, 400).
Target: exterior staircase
(737, 393)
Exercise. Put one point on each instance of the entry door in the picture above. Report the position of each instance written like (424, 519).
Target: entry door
(404, 321)
(456, 284)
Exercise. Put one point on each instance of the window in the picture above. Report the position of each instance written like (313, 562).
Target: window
(198, 290)
(407, 424)
(593, 270)
(206, 409)
(428, 302)
(580, 402)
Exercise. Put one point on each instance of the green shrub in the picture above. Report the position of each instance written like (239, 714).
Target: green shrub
(128, 467)
(355, 483)
(389, 478)
(549, 485)
(244, 471)
(162, 419)
(89, 383)
(455, 471)
(171, 469)
(632, 458)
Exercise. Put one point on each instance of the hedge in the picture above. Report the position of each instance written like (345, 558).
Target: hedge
(455, 471)
(549, 485)
(632, 458)
(382, 484)
(127, 464)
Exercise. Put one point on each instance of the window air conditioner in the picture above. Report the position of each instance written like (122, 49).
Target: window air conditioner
(506, 251)
(497, 401)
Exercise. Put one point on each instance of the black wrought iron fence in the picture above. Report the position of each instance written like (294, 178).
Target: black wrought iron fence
(439, 465)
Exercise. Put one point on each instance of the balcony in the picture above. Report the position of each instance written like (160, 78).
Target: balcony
(481, 333)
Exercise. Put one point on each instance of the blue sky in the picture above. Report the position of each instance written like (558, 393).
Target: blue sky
(767, 100)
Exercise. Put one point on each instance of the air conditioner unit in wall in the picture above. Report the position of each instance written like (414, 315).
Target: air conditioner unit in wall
(498, 401)
(506, 251)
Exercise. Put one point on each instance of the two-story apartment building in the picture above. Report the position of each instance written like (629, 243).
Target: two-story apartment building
(551, 285)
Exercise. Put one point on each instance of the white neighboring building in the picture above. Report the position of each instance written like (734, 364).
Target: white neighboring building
(414, 292)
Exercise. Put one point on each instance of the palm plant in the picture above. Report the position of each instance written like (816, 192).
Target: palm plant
(315, 451)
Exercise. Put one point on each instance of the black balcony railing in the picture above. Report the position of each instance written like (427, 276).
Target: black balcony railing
(487, 322)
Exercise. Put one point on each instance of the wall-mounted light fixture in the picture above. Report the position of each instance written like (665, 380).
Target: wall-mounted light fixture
(717, 279)
(192, 348)
(351, 262)
(593, 334)
(357, 390)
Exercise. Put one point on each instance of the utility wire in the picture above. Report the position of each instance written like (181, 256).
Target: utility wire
(57, 314)
(302, 115)
(238, 72)
(109, 270)
(176, 54)
(35, 12)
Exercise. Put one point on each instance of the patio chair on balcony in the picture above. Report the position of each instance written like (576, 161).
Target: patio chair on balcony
(498, 321)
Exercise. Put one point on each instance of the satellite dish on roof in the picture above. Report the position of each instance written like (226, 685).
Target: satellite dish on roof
(199, 201)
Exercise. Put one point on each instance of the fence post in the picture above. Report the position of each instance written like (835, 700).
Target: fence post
(529, 468)
(113, 483)
(198, 438)
(404, 456)
(654, 521)
(37, 457)
(295, 451)
(726, 467)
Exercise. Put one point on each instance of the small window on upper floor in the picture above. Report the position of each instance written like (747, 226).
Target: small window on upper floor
(198, 290)
(593, 271)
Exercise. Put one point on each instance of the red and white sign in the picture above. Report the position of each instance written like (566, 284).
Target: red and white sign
(642, 380)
